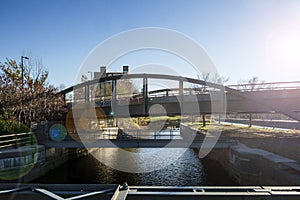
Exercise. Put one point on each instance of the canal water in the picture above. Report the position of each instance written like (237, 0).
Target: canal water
(186, 170)
(168, 166)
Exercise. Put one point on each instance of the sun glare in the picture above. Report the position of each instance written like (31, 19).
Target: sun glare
(283, 47)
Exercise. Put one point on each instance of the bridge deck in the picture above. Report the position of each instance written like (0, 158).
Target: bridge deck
(139, 143)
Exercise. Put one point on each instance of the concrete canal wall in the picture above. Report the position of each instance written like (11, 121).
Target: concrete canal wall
(52, 158)
(30, 162)
(250, 166)
(254, 166)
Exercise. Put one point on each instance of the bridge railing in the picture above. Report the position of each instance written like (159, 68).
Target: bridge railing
(170, 133)
(138, 97)
(176, 92)
(116, 133)
(267, 86)
(16, 140)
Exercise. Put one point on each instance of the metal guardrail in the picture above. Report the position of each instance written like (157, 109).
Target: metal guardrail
(266, 86)
(105, 100)
(56, 191)
(122, 192)
(16, 140)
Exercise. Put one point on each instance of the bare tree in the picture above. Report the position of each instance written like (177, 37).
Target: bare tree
(251, 84)
(30, 100)
(216, 78)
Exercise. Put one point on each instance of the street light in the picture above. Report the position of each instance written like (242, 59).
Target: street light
(91, 74)
(22, 66)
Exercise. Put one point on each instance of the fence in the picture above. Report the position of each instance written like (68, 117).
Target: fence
(267, 86)
(16, 140)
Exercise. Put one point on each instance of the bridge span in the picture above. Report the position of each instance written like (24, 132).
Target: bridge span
(206, 97)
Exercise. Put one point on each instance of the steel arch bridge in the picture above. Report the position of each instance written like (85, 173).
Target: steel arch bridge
(267, 98)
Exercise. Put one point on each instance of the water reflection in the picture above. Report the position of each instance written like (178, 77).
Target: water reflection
(186, 170)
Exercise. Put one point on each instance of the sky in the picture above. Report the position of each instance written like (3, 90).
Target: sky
(244, 38)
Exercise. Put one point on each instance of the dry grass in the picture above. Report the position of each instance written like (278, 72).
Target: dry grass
(282, 142)
(240, 131)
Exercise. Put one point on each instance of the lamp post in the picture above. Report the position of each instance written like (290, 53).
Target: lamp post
(90, 91)
(22, 66)
(22, 74)
(91, 74)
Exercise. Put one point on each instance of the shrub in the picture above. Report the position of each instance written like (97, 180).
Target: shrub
(3, 129)
(7, 127)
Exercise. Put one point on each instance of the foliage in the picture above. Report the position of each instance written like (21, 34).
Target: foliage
(28, 100)
(7, 127)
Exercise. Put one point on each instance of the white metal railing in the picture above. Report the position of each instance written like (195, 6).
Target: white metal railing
(267, 86)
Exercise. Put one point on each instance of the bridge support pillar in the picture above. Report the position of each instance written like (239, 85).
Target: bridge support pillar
(203, 120)
(181, 88)
(114, 100)
(145, 95)
(250, 120)
(87, 94)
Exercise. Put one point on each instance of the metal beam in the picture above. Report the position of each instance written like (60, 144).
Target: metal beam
(115, 192)
(140, 143)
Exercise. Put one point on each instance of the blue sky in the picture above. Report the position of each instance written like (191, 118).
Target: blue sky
(244, 38)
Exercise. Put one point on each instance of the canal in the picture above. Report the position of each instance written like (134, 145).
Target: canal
(184, 171)
(141, 166)
(187, 170)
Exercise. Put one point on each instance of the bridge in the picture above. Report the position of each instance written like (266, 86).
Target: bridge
(191, 97)
(266, 98)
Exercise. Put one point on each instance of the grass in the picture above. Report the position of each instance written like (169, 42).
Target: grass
(235, 130)
(281, 142)
(231, 130)
(160, 118)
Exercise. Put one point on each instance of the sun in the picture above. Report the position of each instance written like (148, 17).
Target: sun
(283, 46)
